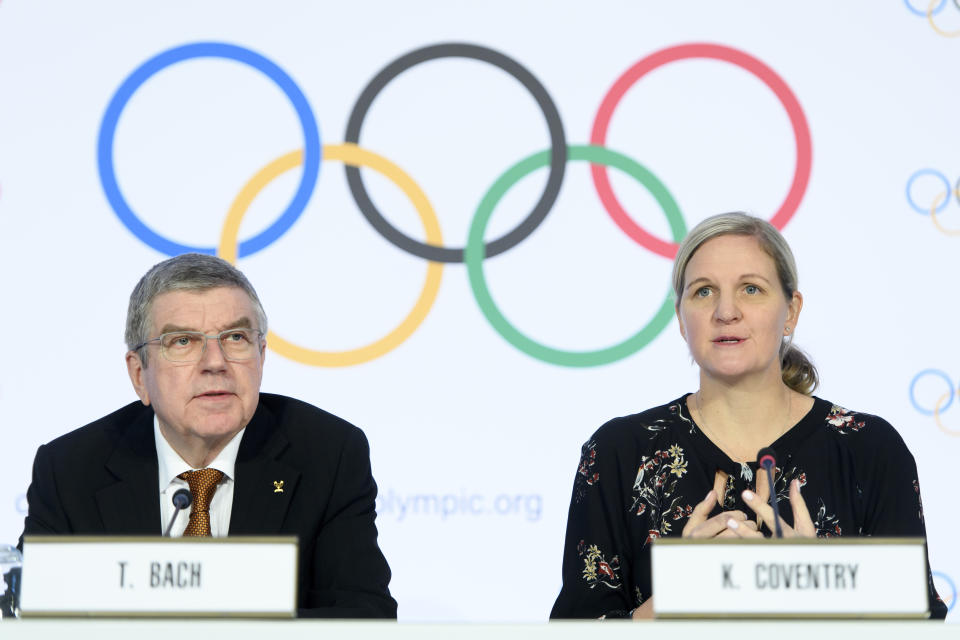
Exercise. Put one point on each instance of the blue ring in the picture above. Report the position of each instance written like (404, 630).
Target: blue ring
(953, 587)
(312, 149)
(929, 172)
(923, 14)
(913, 384)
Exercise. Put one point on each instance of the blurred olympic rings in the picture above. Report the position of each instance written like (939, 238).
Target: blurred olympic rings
(943, 402)
(931, 10)
(951, 600)
(939, 203)
(432, 250)
(934, 7)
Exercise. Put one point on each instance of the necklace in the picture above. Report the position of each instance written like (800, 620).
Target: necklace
(745, 472)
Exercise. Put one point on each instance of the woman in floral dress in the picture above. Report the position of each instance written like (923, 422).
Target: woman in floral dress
(688, 468)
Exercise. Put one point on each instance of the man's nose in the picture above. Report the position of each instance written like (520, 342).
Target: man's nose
(213, 357)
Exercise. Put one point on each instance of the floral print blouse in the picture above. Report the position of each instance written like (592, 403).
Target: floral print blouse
(640, 476)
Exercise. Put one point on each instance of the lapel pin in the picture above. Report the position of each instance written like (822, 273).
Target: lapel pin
(278, 486)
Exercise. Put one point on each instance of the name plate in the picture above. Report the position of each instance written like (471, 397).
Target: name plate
(113, 576)
(832, 578)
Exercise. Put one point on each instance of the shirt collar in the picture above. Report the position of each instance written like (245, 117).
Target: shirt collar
(171, 464)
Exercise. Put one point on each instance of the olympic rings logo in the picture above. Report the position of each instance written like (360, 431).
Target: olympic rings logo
(934, 7)
(944, 400)
(938, 202)
(951, 599)
(473, 254)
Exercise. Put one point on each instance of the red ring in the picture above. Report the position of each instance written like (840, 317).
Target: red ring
(801, 134)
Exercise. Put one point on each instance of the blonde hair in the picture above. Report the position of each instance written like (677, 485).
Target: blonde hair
(796, 368)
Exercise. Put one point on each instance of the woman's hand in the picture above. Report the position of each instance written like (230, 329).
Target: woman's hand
(723, 525)
(802, 523)
(644, 611)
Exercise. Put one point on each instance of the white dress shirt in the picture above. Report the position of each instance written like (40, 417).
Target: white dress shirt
(171, 465)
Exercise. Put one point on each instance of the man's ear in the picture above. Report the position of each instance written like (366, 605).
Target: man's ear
(135, 369)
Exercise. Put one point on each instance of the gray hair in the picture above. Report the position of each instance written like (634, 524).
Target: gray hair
(186, 272)
(798, 371)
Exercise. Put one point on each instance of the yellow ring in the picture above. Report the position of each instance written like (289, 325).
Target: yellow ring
(945, 34)
(936, 415)
(354, 156)
(936, 222)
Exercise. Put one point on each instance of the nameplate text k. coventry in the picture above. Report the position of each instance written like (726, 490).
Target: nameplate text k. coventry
(827, 578)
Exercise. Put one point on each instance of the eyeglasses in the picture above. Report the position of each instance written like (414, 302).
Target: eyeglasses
(189, 346)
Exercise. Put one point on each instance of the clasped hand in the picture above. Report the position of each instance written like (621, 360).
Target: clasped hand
(735, 524)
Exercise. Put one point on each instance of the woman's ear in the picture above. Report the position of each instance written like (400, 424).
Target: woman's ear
(793, 310)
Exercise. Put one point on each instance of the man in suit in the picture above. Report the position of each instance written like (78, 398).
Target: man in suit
(255, 463)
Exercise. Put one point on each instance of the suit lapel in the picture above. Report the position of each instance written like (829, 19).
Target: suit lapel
(264, 486)
(132, 504)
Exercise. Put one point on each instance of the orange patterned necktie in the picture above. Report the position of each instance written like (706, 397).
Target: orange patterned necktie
(203, 483)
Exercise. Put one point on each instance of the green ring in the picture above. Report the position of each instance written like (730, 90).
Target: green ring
(475, 253)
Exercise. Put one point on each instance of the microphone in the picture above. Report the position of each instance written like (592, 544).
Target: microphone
(181, 500)
(767, 458)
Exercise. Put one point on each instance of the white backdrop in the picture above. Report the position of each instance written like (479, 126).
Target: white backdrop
(474, 440)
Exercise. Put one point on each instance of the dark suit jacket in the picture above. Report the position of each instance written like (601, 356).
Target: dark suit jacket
(102, 479)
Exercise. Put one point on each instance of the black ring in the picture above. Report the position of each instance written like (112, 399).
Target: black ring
(558, 149)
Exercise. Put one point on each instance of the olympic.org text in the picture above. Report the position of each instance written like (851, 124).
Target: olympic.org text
(391, 504)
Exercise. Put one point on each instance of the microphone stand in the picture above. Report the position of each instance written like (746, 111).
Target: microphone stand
(768, 460)
(181, 500)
